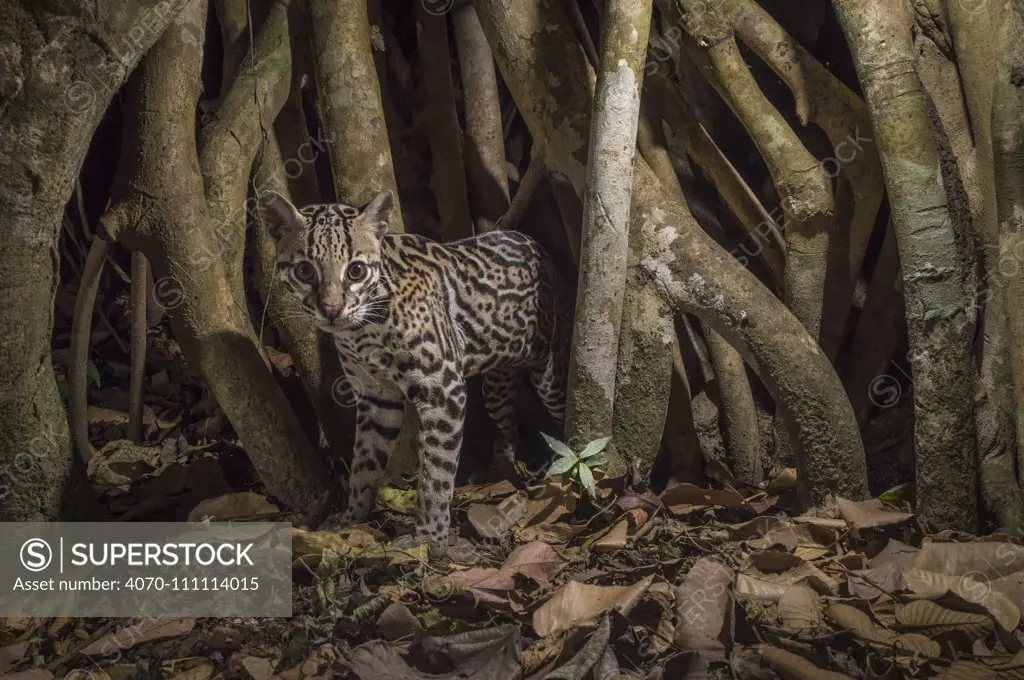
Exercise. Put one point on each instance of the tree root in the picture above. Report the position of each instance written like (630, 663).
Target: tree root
(485, 145)
(437, 101)
(140, 326)
(81, 330)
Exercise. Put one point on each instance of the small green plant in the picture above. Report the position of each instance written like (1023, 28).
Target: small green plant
(579, 466)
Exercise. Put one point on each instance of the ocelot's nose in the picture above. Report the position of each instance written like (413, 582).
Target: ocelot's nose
(330, 311)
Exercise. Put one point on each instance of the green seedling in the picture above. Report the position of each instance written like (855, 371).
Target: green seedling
(577, 466)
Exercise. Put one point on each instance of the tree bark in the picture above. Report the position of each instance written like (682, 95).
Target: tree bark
(1008, 147)
(682, 263)
(349, 100)
(81, 332)
(758, 223)
(230, 142)
(484, 143)
(643, 370)
(604, 246)
(940, 313)
(137, 381)
(979, 48)
(69, 65)
(959, 160)
(976, 54)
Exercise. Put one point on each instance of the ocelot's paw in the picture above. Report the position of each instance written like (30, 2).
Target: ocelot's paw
(510, 472)
(436, 549)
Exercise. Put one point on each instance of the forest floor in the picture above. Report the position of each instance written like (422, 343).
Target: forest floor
(549, 583)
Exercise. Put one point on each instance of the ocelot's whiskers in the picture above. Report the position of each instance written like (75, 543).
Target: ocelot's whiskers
(372, 311)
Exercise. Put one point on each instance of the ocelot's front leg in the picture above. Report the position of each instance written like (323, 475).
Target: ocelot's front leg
(378, 423)
(441, 406)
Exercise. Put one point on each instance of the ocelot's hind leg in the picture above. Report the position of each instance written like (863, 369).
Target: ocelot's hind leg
(550, 385)
(378, 423)
(499, 389)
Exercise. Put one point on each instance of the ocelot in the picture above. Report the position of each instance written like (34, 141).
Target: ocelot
(412, 319)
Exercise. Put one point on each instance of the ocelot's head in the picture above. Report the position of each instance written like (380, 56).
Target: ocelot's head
(329, 256)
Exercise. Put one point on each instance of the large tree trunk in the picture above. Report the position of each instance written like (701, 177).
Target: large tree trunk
(739, 415)
(940, 313)
(1008, 157)
(604, 246)
(54, 93)
(349, 99)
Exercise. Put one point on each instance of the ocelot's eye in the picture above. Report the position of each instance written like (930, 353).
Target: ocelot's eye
(356, 271)
(305, 272)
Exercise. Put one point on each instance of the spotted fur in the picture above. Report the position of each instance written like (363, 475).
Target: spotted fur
(412, 319)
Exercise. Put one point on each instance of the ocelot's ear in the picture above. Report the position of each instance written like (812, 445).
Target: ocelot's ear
(279, 216)
(377, 213)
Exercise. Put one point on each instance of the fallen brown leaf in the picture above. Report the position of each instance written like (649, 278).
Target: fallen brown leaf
(231, 506)
(485, 653)
(309, 546)
(396, 622)
(986, 669)
(800, 608)
(974, 591)
(30, 674)
(476, 493)
(626, 525)
(765, 576)
(884, 573)
(554, 534)
(869, 514)
(378, 659)
(254, 667)
(683, 499)
(495, 521)
(701, 603)
(490, 586)
(10, 655)
(614, 539)
(931, 619)
(794, 667)
(194, 668)
(553, 502)
(849, 617)
(20, 624)
(145, 630)
(576, 604)
(282, 360)
(785, 480)
(537, 560)
(579, 665)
